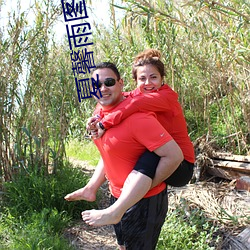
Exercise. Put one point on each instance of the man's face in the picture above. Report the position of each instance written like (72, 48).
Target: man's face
(111, 96)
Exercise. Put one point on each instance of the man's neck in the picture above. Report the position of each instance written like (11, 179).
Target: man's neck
(108, 108)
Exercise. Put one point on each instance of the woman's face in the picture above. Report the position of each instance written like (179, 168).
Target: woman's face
(148, 78)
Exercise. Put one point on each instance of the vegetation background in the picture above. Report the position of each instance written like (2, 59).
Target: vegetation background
(204, 45)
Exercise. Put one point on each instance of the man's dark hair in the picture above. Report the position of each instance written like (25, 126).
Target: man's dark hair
(109, 65)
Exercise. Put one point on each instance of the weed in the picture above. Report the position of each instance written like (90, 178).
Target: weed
(186, 232)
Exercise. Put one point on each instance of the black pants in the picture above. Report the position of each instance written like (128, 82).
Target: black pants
(148, 163)
(140, 226)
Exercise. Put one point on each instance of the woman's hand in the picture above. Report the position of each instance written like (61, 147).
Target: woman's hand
(91, 126)
(91, 123)
(94, 128)
(100, 131)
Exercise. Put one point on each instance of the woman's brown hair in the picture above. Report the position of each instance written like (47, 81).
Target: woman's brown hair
(148, 56)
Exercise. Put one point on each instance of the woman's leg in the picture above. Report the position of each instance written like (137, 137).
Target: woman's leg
(182, 175)
(134, 189)
(88, 192)
(148, 163)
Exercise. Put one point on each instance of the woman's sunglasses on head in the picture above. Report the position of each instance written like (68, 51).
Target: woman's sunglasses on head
(108, 82)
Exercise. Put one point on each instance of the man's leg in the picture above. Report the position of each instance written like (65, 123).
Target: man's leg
(134, 189)
(88, 192)
(118, 229)
(141, 224)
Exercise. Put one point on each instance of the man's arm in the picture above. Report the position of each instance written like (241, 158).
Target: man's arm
(98, 178)
(171, 157)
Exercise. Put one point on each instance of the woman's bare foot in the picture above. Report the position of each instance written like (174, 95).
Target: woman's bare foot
(101, 217)
(84, 193)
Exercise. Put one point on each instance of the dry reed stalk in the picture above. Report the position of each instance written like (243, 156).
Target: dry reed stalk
(220, 202)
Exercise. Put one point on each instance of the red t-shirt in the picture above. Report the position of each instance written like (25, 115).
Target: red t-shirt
(164, 103)
(122, 145)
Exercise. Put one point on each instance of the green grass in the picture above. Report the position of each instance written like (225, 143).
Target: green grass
(33, 212)
(84, 151)
(46, 192)
(41, 231)
(187, 232)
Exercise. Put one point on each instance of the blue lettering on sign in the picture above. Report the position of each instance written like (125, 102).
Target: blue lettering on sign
(74, 11)
(88, 87)
(82, 60)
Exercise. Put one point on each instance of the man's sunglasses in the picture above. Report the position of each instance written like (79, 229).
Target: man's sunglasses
(108, 82)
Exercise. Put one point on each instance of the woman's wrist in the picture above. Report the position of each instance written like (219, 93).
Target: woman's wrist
(101, 126)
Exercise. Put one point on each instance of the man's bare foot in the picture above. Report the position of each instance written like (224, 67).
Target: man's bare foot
(101, 217)
(84, 193)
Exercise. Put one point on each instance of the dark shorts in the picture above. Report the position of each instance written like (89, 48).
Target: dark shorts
(140, 226)
(148, 163)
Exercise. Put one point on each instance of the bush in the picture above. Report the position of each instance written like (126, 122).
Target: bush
(32, 192)
(34, 212)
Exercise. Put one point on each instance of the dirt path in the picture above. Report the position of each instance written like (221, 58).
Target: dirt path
(87, 237)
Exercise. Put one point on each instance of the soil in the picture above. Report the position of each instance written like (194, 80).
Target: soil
(85, 237)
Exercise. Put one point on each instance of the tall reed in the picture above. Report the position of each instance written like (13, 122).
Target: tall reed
(205, 47)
